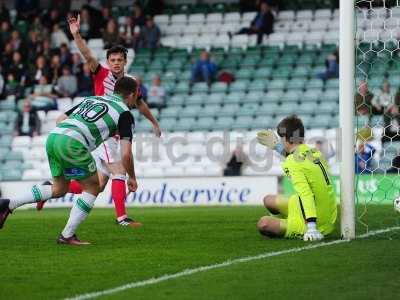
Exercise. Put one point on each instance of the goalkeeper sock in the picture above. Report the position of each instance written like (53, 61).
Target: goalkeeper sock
(36, 194)
(118, 193)
(79, 211)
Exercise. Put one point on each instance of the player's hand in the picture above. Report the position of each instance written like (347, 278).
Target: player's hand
(157, 130)
(267, 138)
(74, 24)
(312, 233)
(132, 184)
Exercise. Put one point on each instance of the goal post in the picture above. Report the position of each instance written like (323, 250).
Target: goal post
(346, 116)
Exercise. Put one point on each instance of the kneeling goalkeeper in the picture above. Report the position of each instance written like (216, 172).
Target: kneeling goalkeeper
(311, 212)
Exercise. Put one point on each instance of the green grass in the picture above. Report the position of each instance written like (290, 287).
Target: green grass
(32, 266)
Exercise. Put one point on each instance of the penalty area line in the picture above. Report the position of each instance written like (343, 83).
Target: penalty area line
(227, 263)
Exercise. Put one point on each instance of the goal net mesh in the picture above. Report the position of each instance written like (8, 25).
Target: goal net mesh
(377, 109)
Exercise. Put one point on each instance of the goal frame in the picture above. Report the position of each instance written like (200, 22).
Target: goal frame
(346, 117)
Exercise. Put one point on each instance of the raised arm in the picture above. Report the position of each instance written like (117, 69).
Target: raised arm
(144, 110)
(74, 26)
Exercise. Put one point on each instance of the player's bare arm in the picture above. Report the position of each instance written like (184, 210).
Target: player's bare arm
(74, 26)
(127, 162)
(61, 118)
(144, 110)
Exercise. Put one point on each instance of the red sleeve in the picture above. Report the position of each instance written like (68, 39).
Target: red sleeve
(98, 77)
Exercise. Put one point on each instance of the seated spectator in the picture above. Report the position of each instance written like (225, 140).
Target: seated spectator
(28, 122)
(150, 35)
(157, 93)
(85, 24)
(332, 67)
(12, 86)
(18, 67)
(364, 162)
(138, 18)
(5, 30)
(43, 96)
(85, 82)
(55, 68)
(65, 55)
(16, 41)
(383, 101)
(363, 99)
(263, 23)
(235, 164)
(111, 34)
(204, 69)
(67, 84)
(40, 69)
(58, 37)
(76, 66)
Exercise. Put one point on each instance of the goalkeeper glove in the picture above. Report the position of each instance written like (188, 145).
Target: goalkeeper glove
(312, 233)
(269, 139)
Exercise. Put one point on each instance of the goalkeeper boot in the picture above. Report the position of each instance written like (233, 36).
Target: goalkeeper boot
(129, 222)
(73, 240)
(40, 204)
(4, 211)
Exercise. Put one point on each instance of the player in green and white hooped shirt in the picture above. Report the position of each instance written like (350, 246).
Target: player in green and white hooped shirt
(69, 148)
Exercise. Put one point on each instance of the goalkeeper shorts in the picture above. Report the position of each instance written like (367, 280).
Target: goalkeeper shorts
(69, 158)
(296, 225)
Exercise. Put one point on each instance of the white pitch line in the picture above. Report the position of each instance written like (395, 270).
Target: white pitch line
(221, 265)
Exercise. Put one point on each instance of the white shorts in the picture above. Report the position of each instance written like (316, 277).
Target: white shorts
(108, 152)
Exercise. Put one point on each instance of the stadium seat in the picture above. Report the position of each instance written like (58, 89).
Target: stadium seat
(168, 123)
(197, 19)
(214, 19)
(191, 111)
(233, 17)
(267, 109)
(205, 123)
(248, 109)
(291, 96)
(223, 123)
(179, 19)
(276, 84)
(229, 110)
(244, 73)
(214, 98)
(323, 14)
(219, 87)
(238, 86)
(5, 141)
(161, 20)
(263, 122)
(200, 87)
(240, 41)
(287, 15)
(242, 122)
(300, 26)
(257, 85)
(185, 124)
(307, 108)
(12, 175)
(22, 142)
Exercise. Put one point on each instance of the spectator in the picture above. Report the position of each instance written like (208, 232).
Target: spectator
(204, 69)
(6, 55)
(17, 67)
(51, 18)
(38, 27)
(67, 84)
(33, 44)
(235, 164)
(263, 23)
(55, 68)
(383, 102)
(138, 18)
(58, 37)
(157, 93)
(46, 49)
(12, 86)
(111, 34)
(363, 99)
(65, 55)
(85, 82)
(15, 40)
(150, 35)
(4, 13)
(76, 66)
(85, 24)
(364, 158)
(26, 8)
(127, 32)
(28, 122)
(41, 69)
(43, 97)
(332, 67)
(5, 30)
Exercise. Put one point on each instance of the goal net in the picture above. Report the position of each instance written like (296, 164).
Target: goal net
(377, 113)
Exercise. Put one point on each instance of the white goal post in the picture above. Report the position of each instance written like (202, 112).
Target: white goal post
(346, 115)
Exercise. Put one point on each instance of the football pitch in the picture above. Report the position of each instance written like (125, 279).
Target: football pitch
(193, 253)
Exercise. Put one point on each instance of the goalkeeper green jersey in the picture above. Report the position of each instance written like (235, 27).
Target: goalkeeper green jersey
(96, 119)
(309, 173)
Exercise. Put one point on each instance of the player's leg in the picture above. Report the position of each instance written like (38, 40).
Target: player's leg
(276, 204)
(110, 155)
(80, 210)
(272, 227)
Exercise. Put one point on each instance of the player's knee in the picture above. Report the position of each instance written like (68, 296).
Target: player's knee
(263, 225)
(269, 201)
(266, 227)
(59, 190)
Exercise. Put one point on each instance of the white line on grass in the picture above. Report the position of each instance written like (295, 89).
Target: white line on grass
(221, 265)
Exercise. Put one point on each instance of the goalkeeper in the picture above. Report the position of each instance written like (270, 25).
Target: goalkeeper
(311, 212)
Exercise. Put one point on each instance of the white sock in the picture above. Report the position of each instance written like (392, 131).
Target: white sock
(78, 214)
(36, 194)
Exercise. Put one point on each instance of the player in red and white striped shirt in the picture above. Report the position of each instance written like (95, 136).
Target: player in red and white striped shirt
(108, 155)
